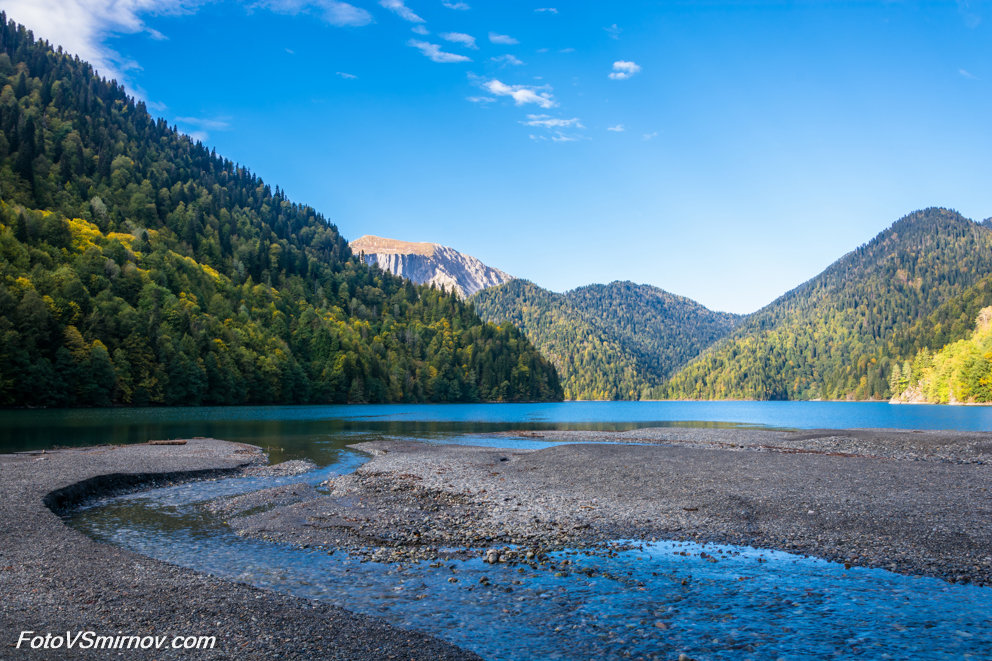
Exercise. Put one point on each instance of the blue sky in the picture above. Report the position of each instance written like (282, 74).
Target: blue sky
(725, 151)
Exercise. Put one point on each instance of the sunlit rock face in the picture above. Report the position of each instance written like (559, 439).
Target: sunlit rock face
(430, 263)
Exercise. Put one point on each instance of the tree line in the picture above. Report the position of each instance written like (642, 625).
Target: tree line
(137, 267)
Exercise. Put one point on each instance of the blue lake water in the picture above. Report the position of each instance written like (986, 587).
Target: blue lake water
(296, 427)
(653, 602)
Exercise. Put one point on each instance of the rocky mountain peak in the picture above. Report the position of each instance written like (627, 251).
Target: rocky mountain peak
(430, 263)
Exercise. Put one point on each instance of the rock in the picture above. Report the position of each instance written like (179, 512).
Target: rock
(430, 263)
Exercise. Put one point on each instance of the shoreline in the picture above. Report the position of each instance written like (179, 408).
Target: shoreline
(55, 579)
(912, 502)
(916, 503)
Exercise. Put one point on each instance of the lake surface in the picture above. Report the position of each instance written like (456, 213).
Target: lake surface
(296, 428)
(654, 601)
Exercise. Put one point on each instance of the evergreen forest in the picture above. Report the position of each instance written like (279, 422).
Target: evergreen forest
(960, 372)
(138, 267)
(918, 284)
(614, 341)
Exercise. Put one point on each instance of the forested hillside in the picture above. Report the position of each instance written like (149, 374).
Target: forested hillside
(614, 341)
(137, 267)
(839, 334)
(953, 320)
(960, 372)
(591, 363)
(661, 330)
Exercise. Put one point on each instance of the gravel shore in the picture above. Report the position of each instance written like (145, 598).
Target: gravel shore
(911, 502)
(54, 579)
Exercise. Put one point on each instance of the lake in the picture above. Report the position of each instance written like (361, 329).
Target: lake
(292, 431)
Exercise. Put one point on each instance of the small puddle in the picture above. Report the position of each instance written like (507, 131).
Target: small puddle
(654, 601)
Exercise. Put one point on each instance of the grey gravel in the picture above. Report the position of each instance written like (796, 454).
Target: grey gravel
(916, 445)
(54, 579)
(914, 503)
(285, 469)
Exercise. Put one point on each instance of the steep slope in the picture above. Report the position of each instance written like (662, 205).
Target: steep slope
(661, 330)
(430, 264)
(137, 267)
(953, 320)
(613, 341)
(592, 363)
(832, 336)
(960, 372)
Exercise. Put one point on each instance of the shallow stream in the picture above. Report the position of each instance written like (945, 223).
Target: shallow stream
(655, 601)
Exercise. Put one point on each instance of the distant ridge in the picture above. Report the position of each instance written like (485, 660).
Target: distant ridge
(615, 341)
(430, 263)
(917, 284)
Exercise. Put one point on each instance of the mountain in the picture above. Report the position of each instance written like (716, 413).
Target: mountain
(838, 335)
(138, 267)
(430, 264)
(960, 372)
(591, 363)
(953, 320)
(614, 341)
(662, 331)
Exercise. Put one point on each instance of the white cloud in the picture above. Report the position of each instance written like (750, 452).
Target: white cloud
(198, 128)
(346, 75)
(82, 27)
(614, 31)
(556, 128)
(434, 52)
(459, 6)
(521, 94)
(503, 39)
(507, 59)
(466, 40)
(971, 19)
(650, 136)
(343, 14)
(622, 70)
(420, 29)
(967, 74)
(546, 10)
(557, 137)
(401, 10)
(480, 99)
(616, 129)
(549, 122)
(336, 13)
(206, 123)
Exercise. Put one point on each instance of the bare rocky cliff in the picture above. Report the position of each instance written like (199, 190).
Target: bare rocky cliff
(430, 263)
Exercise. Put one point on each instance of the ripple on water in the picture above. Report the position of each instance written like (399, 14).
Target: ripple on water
(653, 601)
